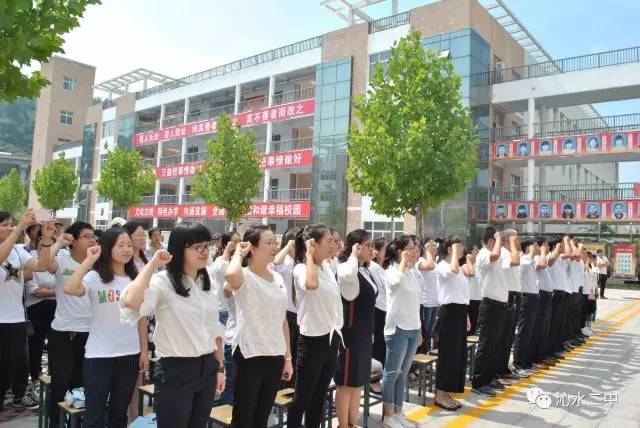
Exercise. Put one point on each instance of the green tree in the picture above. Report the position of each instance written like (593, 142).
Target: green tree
(31, 30)
(124, 178)
(56, 184)
(413, 144)
(231, 171)
(13, 194)
(16, 126)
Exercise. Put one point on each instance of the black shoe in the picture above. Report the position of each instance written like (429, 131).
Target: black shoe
(510, 376)
(485, 390)
(558, 355)
(496, 385)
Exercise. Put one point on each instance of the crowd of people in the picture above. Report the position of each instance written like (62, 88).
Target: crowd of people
(234, 319)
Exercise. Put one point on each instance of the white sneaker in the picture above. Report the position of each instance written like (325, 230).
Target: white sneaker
(403, 422)
(586, 331)
(391, 422)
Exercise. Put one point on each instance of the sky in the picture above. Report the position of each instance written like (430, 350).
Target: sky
(182, 38)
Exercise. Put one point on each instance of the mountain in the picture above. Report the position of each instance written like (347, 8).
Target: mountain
(16, 126)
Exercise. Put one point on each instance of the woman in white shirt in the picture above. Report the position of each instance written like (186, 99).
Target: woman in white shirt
(115, 352)
(261, 350)
(188, 335)
(476, 292)
(320, 321)
(402, 327)
(429, 289)
(14, 260)
(453, 296)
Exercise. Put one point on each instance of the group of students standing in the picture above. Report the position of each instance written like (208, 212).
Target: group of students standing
(239, 317)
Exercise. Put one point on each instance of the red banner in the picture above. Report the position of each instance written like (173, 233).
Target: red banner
(565, 211)
(277, 113)
(300, 209)
(624, 260)
(293, 159)
(182, 170)
(588, 144)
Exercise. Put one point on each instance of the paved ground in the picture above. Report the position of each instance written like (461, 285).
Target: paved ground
(597, 385)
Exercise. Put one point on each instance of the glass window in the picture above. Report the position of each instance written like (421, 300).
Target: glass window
(327, 110)
(328, 93)
(343, 72)
(343, 90)
(107, 128)
(66, 117)
(329, 75)
(69, 84)
(460, 46)
(342, 107)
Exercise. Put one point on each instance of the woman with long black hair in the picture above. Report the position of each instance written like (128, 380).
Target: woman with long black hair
(261, 350)
(188, 336)
(359, 292)
(113, 355)
(453, 296)
(320, 320)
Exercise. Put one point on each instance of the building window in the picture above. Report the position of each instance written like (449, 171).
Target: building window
(69, 84)
(102, 224)
(66, 117)
(107, 128)
(381, 58)
(515, 181)
(383, 228)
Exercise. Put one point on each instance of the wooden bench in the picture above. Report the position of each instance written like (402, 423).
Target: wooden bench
(425, 362)
(221, 415)
(43, 400)
(284, 398)
(73, 414)
(145, 390)
(367, 401)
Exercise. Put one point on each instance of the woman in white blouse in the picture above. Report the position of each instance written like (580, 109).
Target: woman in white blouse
(320, 321)
(402, 327)
(261, 350)
(187, 334)
(453, 296)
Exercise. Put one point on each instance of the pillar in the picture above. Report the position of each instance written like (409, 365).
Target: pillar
(183, 152)
(158, 157)
(267, 148)
(531, 163)
(236, 102)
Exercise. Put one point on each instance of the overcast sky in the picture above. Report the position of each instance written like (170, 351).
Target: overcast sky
(182, 38)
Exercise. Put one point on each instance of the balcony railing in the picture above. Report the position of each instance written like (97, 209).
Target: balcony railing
(170, 160)
(389, 22)
(286, 145)
(167, 199)
(194, 157)
(147, 126)
(148, 200)
(297, 95)
(290, 195)
(253, 104)
(577, 63)
(173, 120)
(618, 123)
(251, 61)
(210, 113)
(188, 198)
(570, 192)
(150, 162)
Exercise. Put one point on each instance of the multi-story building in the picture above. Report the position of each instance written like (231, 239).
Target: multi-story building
(297, 100)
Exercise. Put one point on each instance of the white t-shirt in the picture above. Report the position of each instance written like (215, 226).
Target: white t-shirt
(377, 273)
(216, 274)
(512, 275)
(12, 286)
(403, 300)
(543, 277)
(602, 259)
(185, 326)
(319, 310)
(474, 287)
(452, 287)
(493, 278)
(231, 329)
(428, 285)
(261, 309)
(73, 313)
(40, 280)
(577, 275)
(286, 271)
(108, 337)
(560, 276)
(528, 275)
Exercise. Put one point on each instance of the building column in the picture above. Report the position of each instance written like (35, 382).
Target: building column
(236, 102)
(531, 163)
(183, 152)
(158, 157)
(267, 149)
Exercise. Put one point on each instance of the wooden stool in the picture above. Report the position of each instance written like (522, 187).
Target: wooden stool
(284, 398)
(472, 344)
(367, 402)
(149, 391)
(221, 415)
(71, 412)
(43, 399)
(425, 362)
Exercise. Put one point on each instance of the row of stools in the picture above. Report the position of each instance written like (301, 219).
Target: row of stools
(221, 415)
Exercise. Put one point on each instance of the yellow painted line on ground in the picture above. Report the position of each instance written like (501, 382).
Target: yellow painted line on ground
(424, 411)
(476, 412)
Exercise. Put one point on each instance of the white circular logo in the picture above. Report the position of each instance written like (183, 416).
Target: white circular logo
(533, 393)
(543, 401)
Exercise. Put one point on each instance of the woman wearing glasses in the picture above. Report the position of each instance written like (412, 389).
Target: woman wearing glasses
(187, 335)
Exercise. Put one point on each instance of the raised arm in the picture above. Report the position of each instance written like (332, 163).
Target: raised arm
(542, 260)
(553, 255)
(74, 286)
(429, 262)
(26, 220)
(456, 253)
(514, 250)
(282, 254)
(311, 279)
(469, 269)
(497, 247)
(234, 275)
(42, 263)
(134, 297)
(348, 275)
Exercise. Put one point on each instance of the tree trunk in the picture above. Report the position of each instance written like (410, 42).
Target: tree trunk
(419, 217)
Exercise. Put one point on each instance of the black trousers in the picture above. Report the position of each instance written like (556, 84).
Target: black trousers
(491, 322)
(526, 329)
(577, 315)
(66, 360)
(452, 348)
(315, 365)
(109, 385)
(41, 315)
(586, 311)
(541, 348)
(185, 391)
(13, 338)
(558, 316)
(513, 309)
(256, 382)
(294, 332)
(602, 282)
(379, 345)
(569, 318)
(473, 311)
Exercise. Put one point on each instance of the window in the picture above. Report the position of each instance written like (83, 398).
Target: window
(381, 58)
(69, 84)
(102, 224)
(515, 180)
(107, 128)
(66, 117)
(383, 228)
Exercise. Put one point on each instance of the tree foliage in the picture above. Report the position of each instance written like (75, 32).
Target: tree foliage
(56, 184)
(124, 178)
(231, 171)
(13, 194)
(31, 30)
(413, 144)
(16, 126)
